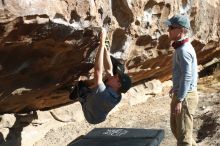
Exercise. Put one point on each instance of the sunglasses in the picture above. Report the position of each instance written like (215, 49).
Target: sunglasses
(173, 27)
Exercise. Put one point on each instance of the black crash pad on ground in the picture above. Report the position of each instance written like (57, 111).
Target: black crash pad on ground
(120, 137)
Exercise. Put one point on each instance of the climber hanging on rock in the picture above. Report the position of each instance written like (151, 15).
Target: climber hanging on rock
(101, 97)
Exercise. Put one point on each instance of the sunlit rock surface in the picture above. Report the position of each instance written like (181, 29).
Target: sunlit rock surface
(47, 44)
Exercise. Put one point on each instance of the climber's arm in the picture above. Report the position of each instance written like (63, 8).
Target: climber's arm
(108, 63)
(98, 68)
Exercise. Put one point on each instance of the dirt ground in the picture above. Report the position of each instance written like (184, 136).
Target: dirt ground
(153, 114)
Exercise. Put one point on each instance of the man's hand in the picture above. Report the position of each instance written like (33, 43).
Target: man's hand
(178, 108)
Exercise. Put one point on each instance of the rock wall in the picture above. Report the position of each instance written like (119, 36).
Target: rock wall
(46, 44)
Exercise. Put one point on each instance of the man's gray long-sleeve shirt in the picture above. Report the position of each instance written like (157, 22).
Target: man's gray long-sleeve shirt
(185, 74)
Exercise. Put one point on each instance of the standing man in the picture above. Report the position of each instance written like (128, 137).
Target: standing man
(100, 97)
(184, 92)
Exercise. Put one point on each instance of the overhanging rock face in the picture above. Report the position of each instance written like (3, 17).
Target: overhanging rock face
(47, 44)
(37, 59)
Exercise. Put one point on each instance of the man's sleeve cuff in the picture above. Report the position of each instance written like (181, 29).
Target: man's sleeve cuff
(180, 99)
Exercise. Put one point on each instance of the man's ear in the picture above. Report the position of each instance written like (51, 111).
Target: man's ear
(182, 30)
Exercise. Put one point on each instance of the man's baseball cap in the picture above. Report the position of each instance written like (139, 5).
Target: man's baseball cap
(125, 82)
(179, 20)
